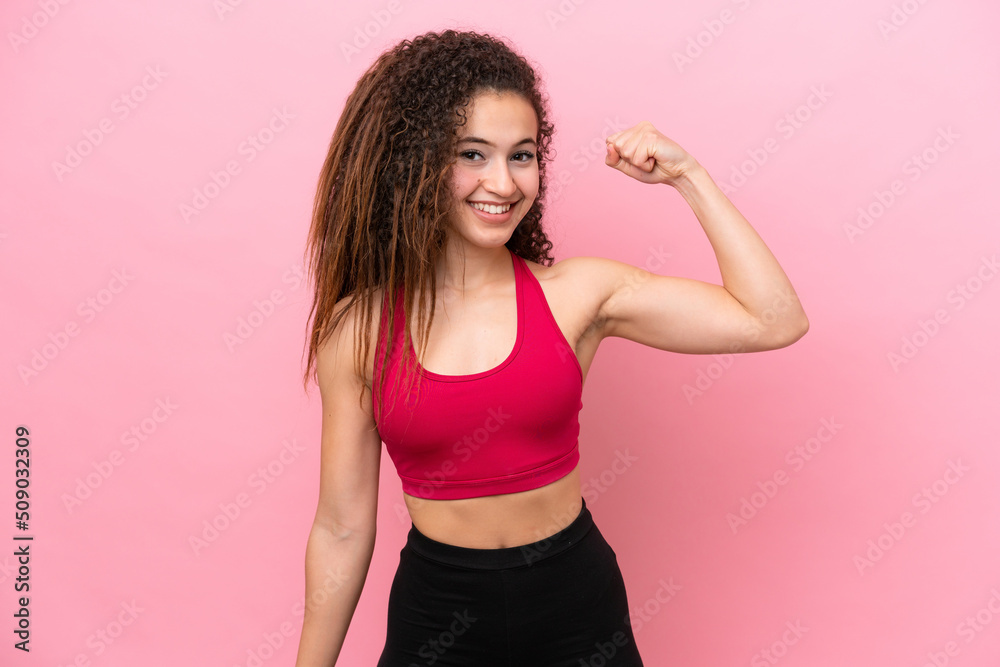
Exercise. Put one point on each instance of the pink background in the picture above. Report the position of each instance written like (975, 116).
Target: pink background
(160, 331)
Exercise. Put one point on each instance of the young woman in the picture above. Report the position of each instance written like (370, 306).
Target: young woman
(442, 327)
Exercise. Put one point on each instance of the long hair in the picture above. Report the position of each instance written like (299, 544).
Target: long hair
(384, 195)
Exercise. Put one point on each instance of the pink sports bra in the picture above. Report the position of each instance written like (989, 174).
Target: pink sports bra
(511, 428)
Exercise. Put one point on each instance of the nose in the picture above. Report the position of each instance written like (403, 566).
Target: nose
(498, 180)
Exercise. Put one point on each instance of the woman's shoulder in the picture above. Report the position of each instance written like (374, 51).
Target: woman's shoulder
(345, 335)
(571, 271)
(583, 284)
(348, 309)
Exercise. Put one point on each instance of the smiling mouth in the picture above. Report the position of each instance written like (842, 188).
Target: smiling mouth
(489, 208)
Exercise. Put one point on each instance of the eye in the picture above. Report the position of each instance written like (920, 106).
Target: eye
(520, 156)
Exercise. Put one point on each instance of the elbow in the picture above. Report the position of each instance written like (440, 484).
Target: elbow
(780, 334)
(793, 332)
(337, 531)
(802, 325)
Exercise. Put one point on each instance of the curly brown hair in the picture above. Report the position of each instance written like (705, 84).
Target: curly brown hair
(383, 198)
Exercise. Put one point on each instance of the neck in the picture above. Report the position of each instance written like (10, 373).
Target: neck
(467, 268)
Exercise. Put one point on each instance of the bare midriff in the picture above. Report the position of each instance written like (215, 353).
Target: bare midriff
(499, 521)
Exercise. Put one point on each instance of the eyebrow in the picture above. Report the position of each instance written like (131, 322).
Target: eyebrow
(480, 140)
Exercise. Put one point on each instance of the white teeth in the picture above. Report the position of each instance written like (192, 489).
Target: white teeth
(491, 209)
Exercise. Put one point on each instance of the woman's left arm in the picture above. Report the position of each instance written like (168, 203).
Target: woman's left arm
(756, 307)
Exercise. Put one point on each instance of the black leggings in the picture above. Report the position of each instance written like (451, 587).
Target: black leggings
(557, 602)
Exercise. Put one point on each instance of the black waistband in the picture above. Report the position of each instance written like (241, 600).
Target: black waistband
(507, 557)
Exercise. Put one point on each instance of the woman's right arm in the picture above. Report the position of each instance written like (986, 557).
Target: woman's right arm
(342, 539)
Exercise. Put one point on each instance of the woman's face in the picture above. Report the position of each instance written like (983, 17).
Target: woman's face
(495, 164)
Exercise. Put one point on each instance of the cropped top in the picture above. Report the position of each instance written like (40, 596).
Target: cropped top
(511, 428)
